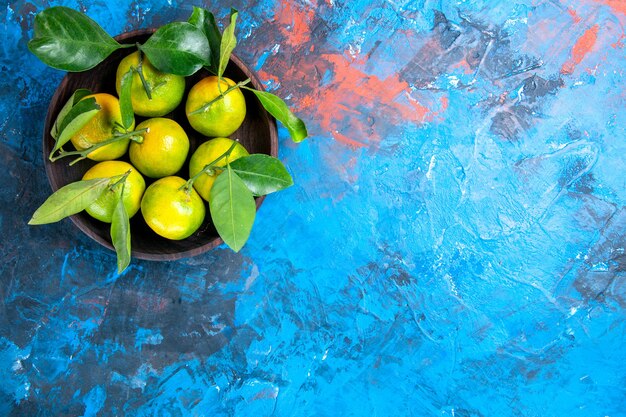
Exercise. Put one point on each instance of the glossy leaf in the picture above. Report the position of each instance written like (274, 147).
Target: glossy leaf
(70, 199)
(126, 105)
(205, 21)
(74, 120)
(120, 233)
(75, 98)
(232, 209)
(228, 43)
(177, 48)
(279, 109)
(69, 40)
(262, 174)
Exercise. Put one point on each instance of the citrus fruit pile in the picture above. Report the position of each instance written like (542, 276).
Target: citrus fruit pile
(141, 150)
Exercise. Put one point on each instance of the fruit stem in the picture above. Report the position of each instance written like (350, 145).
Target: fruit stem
(206, 106)
(208, 167)
(139, 71)
(134, 135)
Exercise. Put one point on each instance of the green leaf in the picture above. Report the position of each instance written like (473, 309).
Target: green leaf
(277, 108)
(74, 120)
(120, 233)
(205, 21)
(177, 48)
(228, 43)
(69, 40)
(126, 105)
(75, 98)
(262, 174)
(68, 200)
(232, 209)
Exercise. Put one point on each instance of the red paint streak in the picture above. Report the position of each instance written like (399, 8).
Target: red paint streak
(574, 15)
(445, 102)
(463, 65)
(294, 23)
(438, 109)
(271, 78)
(618, 6)
(583, 46)
(354, 107)
(620, 42)
(347, 140)
(353, 102)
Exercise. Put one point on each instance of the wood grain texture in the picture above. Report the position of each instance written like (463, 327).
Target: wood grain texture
(258, 134)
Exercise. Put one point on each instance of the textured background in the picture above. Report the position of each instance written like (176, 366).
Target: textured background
(454, 243)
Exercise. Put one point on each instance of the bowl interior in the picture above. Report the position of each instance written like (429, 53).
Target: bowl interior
(257, 134)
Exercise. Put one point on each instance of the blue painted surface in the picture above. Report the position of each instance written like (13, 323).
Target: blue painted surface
(454, 243)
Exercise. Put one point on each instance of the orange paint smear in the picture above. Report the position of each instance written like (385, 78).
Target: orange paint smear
(574, 15)
(445, 102)
(294, 23)
(348, 107)
(347, 140)
(583, 46)
(464, 66)
(616, 5)
(353, 105)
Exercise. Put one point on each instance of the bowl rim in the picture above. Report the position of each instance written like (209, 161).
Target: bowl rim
(84, 227)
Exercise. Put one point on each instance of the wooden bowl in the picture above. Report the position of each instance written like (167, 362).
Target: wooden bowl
(257, 134)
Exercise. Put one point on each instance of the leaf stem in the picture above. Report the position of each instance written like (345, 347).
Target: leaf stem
(134, 135)
(121, 180)
(206, 106)
(211, 70)
(208, 167)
